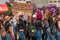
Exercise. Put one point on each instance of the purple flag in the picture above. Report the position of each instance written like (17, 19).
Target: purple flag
(40, 11)
(53, 8)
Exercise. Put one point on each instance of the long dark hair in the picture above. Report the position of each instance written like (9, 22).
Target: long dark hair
(57, 23)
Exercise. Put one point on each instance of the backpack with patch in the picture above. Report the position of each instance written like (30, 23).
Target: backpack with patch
(32, 31)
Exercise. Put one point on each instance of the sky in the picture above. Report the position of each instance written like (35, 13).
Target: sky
(3, 1)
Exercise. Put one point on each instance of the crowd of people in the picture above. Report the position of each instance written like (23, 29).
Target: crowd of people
(41, 27)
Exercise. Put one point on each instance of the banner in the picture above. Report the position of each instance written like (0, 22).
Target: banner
(3, 7)
(53, 8)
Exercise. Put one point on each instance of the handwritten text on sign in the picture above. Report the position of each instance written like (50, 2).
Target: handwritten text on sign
(22, 6)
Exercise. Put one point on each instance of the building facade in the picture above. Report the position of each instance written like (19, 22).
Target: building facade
(3, 1)
(40, 3)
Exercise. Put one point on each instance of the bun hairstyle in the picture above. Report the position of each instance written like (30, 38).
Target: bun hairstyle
(46, 12)
(7, 25)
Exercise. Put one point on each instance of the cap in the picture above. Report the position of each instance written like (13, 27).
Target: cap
(34, 16)
(7, 18)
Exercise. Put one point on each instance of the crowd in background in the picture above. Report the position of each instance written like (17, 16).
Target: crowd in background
(41, 27)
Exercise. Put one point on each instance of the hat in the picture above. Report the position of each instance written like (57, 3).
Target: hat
(20, 14)
(7, 18)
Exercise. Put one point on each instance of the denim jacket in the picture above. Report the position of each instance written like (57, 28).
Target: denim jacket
(8, 37)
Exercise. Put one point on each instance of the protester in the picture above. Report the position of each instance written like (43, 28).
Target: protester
(52, 27)
(41, 27)
(58, 28)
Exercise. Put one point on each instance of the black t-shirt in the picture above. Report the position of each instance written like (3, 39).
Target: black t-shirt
(21, 24)
(39, 25)
(50, 20)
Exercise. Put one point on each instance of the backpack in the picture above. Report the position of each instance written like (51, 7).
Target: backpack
(32, 31)
(53, 29)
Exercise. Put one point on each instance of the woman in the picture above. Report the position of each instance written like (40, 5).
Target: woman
(50, 31)
(38, 25)
(58, 28)
(45, 25)
(11, 33)
(5, 35)
(21, 33)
